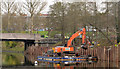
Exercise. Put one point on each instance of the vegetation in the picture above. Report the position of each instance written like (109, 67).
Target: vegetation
(12, 46)
(62, 18)
(69, 17)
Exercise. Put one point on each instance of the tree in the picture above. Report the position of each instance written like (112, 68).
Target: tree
(57, 16)
(40, 21)
(34, 7)
(118, 24)
(78, 15)
(7, 7)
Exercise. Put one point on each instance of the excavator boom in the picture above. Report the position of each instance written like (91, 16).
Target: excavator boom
(78, 33)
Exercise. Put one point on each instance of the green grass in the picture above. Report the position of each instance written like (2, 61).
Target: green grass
(34, 32)
(57, 44)
(12, 46)
(14, 49)
(52, 33)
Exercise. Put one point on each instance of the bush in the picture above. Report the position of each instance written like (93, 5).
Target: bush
(11, 44)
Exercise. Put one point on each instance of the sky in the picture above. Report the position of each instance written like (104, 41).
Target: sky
(50, 2)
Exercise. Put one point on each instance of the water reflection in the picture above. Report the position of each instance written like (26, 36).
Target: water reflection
(75, 64)
(18, 59)
(10, 59)
(81, 64)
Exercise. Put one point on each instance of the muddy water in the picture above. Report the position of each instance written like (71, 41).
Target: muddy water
(19, 59)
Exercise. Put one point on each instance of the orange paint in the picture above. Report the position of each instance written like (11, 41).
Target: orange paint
(78, 33)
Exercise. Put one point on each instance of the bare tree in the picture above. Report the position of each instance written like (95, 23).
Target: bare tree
(34, 7)
(118, 24)
(57, 18)
(7, 7)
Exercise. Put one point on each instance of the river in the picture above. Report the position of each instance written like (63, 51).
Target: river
(11, 60)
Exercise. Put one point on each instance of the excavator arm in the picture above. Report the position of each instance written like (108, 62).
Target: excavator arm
(78, 33)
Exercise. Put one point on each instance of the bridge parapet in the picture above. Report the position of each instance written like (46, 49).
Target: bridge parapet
(22, 36)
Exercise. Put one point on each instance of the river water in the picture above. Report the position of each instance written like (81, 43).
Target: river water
(21, 60)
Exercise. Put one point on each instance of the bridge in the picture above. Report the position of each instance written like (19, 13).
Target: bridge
(28, 39)
(19, 37)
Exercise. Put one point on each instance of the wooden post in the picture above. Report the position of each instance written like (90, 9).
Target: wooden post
(96, 52)
(88, 51)
(113, 49)
(108, 58)
(117, 57)
(104, 53)
(118, 54)
(82, 51)
(36, 42)
(93, 52)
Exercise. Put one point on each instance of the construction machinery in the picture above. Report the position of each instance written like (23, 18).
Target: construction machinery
(67, 53)
(69, 48)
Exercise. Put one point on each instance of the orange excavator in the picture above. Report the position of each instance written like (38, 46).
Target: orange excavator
(69, 48)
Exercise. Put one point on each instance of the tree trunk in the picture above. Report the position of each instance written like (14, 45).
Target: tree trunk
(32, 24)
(8, 22)
(63, 39)
(63, 28)
(118, 24)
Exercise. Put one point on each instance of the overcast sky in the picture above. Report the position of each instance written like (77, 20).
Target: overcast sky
(50, 2)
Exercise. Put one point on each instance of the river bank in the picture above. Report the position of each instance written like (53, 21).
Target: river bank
(12, 51)
(12, 46)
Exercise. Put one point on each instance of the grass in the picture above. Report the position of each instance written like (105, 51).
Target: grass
(57, 44)
(14, 49)
(34, 32)
(9, 47)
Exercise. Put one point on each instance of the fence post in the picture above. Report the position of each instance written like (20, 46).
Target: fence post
(118, 52)
(117, 56)
(104, 53)
(108, 57)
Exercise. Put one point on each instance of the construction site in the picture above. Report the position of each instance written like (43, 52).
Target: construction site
(92, 42)
(70, 34)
